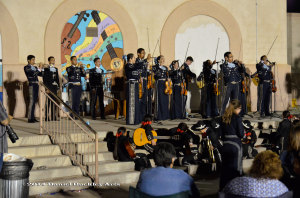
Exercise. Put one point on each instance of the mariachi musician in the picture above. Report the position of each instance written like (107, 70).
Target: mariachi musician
(179, 91)
(132, 72)
(146, 94)
(163, 90)
(265, 82)
(243, 88)
(210, 90)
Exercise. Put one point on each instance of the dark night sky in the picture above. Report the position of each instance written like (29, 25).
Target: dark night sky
(293, 6)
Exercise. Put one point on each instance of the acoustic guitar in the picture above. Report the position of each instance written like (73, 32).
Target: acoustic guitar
(112, 59)
(140, 137)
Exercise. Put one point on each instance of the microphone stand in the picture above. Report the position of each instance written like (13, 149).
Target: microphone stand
(274, 113)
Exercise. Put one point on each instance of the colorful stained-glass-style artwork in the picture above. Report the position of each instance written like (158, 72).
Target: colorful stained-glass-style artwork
(92, 34)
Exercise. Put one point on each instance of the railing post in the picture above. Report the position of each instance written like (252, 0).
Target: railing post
(96, 159)
(41, 109)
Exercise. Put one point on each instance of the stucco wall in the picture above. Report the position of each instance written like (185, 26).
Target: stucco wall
(30, 18)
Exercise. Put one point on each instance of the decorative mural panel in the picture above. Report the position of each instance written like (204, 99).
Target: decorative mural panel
(92, 34)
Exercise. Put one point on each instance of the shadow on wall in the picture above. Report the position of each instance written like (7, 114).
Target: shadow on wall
(293, 79)
(11, 86)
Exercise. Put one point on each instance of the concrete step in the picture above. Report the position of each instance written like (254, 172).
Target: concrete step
(56, 172)
(90, 157)
(259, 141)
(36, 150)
(111, 167)
(87, 147)
(77, 137)
(28, 140)
(51, 161)
(247, 163)
(122, 178)
(55, 185)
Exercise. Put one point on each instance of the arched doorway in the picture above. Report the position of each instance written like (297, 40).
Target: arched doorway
(1, 71)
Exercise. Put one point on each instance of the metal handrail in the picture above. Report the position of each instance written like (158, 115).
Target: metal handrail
(69, 108)
(61, 133)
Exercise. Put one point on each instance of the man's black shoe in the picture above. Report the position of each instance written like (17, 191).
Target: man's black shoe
(31, 121)
(35, 120)
(103, 118)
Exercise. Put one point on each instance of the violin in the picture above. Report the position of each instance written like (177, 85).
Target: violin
(183, 88)
(274, 88)
(149, 79)
(168, 84)
(216, 88)
(141, 88)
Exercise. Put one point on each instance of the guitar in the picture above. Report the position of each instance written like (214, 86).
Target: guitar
(71, 35)
(130, 149)
(140, 137)
(112, 59)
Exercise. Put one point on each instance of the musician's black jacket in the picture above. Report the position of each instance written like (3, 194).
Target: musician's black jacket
(184, 137)
(209, 75)
(148, 130)
(122, 151)
(264, 72)
(283, 130)
(51, 79)
(231, 74)
(187, 73)
(176, 76)
(32, 73)
(142, 65)
(95, 78)
(132, 71)
(75, 73)
(160, 73)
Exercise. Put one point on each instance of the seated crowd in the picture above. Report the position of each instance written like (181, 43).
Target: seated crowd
(224, 142)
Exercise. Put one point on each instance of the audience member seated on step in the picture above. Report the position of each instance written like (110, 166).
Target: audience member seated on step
(125, 151)
(164, 180)
(146, 124)
(5, 119)
(249, 141)
(291, 162)
(283, 130)
(185, 142)
(262, 180)
(209, 136)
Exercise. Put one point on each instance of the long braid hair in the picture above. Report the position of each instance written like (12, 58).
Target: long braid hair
(234, 104)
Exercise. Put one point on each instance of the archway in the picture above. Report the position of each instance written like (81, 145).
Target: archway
(194, 8)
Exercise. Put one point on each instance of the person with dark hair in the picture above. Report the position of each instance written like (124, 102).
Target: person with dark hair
(120, 151)
(175, 74)
(283, 131)
(144, 69)
(231, 152)
(133, 113)
(183, 140)
(51, 81)
(291, 162)
(96, 80)
(162, 111)
(232, 78)
(263, 180)
(265, 76)
(32, 73)
(163, 180)
(146, 124)
(208, 96)
(74, 79)
(207, 130)
(188, 75)
(249, 141)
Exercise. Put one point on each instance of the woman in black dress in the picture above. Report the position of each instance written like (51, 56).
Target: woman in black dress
(231, 152)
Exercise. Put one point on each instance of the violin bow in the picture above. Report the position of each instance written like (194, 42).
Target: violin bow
(217, 48)
(272, 45)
